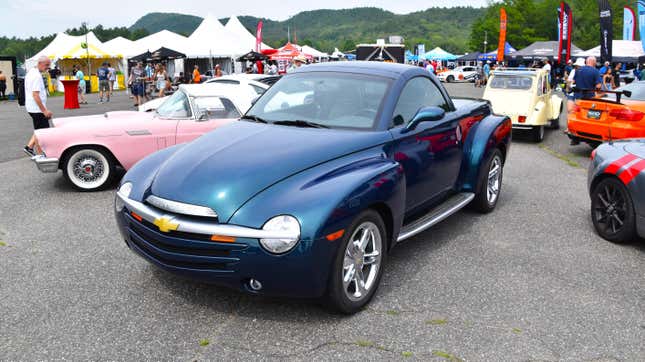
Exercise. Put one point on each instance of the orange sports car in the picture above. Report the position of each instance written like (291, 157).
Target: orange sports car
(609, 116)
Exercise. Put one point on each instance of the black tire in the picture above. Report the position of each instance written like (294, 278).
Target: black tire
(555, 123)
(450, 79)
(103, 162)
(482, 202)
(538, 134)
(612, 211)
(336, 298)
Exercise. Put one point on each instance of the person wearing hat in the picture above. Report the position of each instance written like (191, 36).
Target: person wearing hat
(486, 72)
(298, 61)
(580, 62)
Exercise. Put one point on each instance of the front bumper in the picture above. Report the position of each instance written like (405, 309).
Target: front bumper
(188, 251)
(44, 164)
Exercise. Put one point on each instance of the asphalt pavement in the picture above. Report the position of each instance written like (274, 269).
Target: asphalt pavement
(530, 281)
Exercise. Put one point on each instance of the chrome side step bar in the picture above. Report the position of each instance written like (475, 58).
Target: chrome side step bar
(439, 213)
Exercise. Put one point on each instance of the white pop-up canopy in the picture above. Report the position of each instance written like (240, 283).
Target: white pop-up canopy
(242, 35)
(313, 52)
(212, 40)
(121, 45)
(163, 38)
(622, 51)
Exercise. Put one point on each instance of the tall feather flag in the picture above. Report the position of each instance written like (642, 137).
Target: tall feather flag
(606, 30)
(629, 23)
(258, 37)
(502, 35)
(565, 24)
(641, 20)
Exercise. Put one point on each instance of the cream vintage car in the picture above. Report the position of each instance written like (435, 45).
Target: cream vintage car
(526, 97)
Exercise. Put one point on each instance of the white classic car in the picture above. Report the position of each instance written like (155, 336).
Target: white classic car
(459, 74)
(526, 97)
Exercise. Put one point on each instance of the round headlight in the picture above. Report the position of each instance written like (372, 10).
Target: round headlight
(124, 191)
(285, 225)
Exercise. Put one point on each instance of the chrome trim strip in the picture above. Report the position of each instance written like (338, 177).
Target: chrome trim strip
(425, 224)
(142, 132)
(201, 227)
(44, 164)
(522, 127)
(180, 207)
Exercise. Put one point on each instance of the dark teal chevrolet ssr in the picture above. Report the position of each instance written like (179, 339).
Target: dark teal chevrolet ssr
(307, 193)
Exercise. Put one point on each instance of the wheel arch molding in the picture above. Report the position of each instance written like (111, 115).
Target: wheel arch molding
(490, 133)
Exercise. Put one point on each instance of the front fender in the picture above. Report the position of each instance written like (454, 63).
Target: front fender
(327, 197)
(143, 172)
(490, 133)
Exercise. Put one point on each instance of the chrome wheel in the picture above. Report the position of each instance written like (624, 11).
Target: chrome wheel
(494, 179)
(88, 169)
(362, 261)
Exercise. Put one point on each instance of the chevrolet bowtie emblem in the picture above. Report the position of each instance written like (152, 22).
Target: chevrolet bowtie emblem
(165, 225)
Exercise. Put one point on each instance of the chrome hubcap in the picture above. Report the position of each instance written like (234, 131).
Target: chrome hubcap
(494, 177)
(88, 168)
(362, 261)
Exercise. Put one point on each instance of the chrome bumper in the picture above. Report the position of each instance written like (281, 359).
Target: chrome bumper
(44, 164)
(183, 224)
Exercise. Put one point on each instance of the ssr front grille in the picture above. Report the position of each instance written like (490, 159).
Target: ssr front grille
(182, 250)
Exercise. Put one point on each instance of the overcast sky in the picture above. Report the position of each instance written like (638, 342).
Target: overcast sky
(24, 18)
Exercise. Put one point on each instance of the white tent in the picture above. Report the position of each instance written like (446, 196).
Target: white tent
(239, 32)
(313, 52)
(622, 51)
(163, 38)
(66, 46)
(121, 45)
(212, 40)
(337, 54)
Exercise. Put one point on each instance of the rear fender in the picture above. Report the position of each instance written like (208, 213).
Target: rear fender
(490, 133)
(556, 104)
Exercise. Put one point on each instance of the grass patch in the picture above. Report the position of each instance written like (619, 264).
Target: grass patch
(568, 160)
(392, 312)
(364, 343)
(406, 354)
(446, 355)
(517, 330)
(56, 94)
(437, 322)
(2, 243)
(204, 342)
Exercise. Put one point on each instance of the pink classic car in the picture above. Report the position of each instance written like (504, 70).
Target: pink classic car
(89, 148)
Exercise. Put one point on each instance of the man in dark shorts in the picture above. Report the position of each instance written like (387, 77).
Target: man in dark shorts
(104, 84)
(36, 102)
(137, 78)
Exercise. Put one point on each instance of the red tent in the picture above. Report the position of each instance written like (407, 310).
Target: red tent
(288, 52)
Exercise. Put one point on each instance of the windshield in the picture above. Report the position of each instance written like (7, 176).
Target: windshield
(336, 100)
(215, 108)
(176, 106)
(511, 82)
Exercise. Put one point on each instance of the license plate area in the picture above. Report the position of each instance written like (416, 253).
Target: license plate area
(591, 114)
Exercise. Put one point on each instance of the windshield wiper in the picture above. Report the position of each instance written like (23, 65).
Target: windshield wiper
(254, 118)
(300, 123)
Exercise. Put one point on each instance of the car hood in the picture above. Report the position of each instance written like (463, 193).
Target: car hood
(225, 168)
(107, 122)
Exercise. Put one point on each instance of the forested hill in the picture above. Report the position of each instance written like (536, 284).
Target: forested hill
(448, 28)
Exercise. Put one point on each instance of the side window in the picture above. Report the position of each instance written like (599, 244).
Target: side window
(215, 108)
(540, 85)
(419, 92)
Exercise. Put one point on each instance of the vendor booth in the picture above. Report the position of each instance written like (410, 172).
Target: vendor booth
(438, 54)
(285, 55)
(542, 50)
(492, 56)
(468, 59)
(625, 51)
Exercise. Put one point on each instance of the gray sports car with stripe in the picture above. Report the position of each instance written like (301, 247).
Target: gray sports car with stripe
(617, 188)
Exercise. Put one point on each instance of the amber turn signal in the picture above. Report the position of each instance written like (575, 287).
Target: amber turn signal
(223, 239)
(337, 235)
(136, 216)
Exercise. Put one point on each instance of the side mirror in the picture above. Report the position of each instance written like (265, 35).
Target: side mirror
(426, 114)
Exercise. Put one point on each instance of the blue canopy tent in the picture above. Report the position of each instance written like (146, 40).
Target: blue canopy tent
(410, 57)
(508, 50)
(438, 54)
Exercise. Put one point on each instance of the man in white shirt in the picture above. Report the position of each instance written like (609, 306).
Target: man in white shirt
(36, 102)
